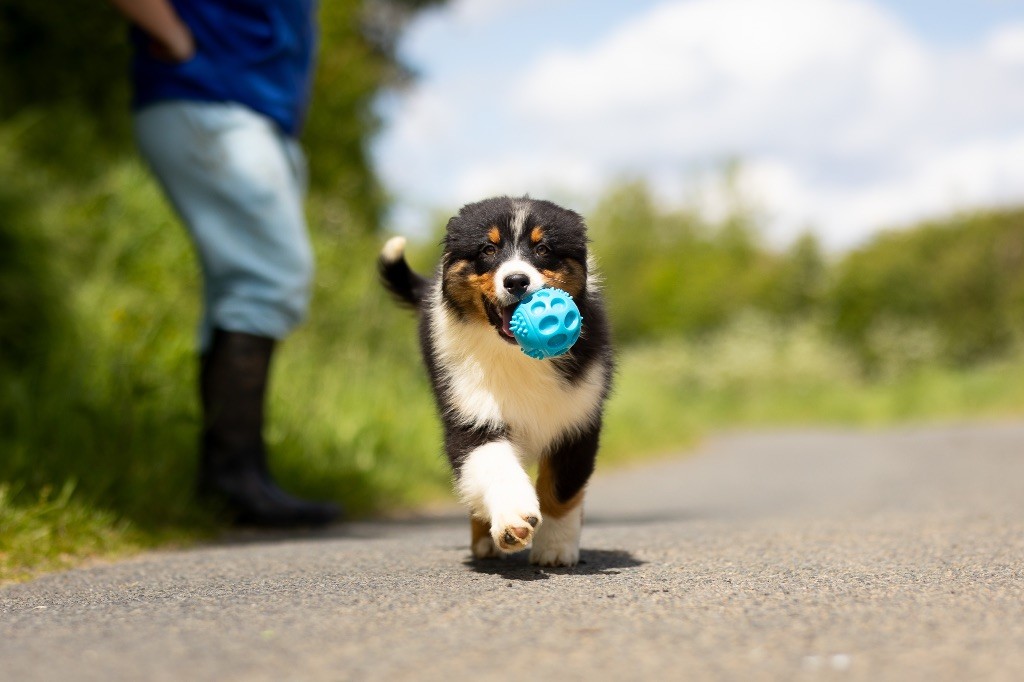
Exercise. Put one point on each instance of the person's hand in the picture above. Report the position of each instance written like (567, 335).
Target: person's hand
(174, 45)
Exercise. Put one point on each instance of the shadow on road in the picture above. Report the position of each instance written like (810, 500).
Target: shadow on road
(592, 562)
(357, 529)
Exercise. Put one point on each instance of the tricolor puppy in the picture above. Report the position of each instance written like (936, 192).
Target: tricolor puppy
(501, 409)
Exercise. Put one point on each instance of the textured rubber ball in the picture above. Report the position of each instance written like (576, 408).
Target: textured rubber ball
(546, 324)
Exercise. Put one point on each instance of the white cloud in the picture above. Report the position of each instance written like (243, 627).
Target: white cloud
(477, 12)
(843, 117)
(717, 48)
(530, 174)
(1006, 44)
(724, 77)
(980, 173)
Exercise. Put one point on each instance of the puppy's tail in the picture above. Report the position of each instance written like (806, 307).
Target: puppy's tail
(407, 286)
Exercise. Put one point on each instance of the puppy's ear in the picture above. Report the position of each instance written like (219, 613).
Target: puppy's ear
(446, 239)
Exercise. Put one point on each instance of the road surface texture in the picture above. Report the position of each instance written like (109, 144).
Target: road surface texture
(883, 555)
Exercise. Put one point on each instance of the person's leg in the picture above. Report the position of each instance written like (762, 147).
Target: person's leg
(238, 186)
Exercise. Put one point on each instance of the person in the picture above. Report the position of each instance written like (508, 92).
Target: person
(220, 93)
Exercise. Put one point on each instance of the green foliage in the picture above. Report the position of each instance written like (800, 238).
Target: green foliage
(760, 372)
(676, 273)
(944, 292)
(64, 77)
(673, 271)
(99, 289)
(55, 530)
(959, 282)
(29, 305)
(356, 61)
(799, 285)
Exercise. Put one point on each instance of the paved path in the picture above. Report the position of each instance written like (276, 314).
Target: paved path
(895, 555)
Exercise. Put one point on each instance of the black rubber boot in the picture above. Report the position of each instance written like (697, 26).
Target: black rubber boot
(233, 468)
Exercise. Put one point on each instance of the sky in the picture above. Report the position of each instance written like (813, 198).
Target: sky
(844, 117)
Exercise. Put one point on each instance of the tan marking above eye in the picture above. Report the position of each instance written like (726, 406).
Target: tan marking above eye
(536, 234)
(494, 235)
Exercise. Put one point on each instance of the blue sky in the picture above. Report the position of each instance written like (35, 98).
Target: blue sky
(846, 115)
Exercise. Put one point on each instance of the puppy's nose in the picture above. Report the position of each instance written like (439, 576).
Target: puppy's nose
(517, 284)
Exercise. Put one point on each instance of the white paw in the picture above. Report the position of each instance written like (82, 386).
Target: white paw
(484, 548)
(555, 556)
(494, 485)
(557, 543)
(513, 531)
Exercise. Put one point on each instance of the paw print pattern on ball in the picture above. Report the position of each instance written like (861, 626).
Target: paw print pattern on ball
(547, 323)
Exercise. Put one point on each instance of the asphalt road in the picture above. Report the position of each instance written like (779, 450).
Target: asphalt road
(890, 555)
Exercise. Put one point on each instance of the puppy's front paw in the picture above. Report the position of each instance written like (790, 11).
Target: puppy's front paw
(514, 532)
(558, 542)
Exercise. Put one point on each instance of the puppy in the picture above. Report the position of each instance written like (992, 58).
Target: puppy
(501, 409)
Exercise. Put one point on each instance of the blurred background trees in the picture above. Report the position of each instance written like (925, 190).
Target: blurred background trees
(955, 285)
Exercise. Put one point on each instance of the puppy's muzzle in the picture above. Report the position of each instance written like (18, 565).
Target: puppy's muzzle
(516, 284)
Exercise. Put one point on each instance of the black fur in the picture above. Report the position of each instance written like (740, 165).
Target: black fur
(406, 286)
(572, 461)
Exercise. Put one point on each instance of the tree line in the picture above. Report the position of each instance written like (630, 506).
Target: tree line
(954, 285)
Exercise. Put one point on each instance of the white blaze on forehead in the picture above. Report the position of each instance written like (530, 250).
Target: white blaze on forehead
(520, 211)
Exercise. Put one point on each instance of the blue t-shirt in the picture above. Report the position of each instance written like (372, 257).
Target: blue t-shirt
(254, 52)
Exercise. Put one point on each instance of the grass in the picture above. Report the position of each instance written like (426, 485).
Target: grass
(98, 422)
(759, 374)
(55, 531)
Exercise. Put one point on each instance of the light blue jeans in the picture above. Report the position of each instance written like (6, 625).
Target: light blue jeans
(238, 183)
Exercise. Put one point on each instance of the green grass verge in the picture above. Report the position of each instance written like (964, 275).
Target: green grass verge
(52, 530)
(756, 374)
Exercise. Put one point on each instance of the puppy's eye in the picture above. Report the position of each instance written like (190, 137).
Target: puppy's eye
(542, 250)
(489, 250)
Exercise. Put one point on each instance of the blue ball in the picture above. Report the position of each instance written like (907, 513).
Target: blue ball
(546, 324)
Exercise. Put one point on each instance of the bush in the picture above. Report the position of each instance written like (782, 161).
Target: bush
(674, 272)
(960, 282)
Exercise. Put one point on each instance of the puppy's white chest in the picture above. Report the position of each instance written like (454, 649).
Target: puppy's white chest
(494, 385)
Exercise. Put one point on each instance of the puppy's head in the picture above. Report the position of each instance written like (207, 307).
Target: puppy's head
(499, 250)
